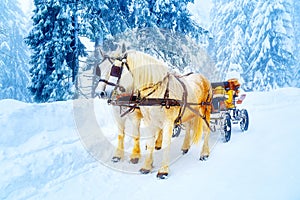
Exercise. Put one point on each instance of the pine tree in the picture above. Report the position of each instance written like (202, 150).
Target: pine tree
(271, 60)
(173, 15)
(13, 53)
(103, 20)
(231, 20)
(255, 41)
(297, 42)
(56, 47)
(146, 25)
(142, 15)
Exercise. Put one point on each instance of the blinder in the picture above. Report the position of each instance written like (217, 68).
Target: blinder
(116, 71)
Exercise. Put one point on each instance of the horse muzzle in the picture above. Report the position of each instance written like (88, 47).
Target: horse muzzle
(104, 95)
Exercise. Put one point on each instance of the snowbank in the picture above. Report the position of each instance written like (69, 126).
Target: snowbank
(42, 157)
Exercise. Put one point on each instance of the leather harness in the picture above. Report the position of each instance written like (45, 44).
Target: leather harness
(133, 101)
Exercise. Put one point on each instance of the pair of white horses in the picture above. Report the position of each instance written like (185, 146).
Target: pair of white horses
(134, 72)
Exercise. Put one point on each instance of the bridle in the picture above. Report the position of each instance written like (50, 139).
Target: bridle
(116, 71)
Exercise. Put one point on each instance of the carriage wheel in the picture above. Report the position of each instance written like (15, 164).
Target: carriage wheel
(227, 128)
(244, 123)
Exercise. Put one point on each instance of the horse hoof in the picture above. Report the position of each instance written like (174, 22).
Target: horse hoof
(184, 151)
(145, 171)
(157, 148)
(115, 159)
(203, 158)
(162, 175)
(134, 160)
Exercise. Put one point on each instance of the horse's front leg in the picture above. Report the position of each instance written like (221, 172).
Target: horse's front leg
(136, 151)
(163, 172)
(158, 141)
(119, 153)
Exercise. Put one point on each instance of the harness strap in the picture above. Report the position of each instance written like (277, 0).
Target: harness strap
(133, 103)
(131, 109)
(122, 89)
(184, 101)
(154, 87)
(208, 102)
(202, 116)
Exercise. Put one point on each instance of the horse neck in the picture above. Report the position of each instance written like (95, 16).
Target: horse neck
(126, 80)
(146, 70)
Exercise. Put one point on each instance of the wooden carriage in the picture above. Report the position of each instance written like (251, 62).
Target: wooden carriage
(224, 108)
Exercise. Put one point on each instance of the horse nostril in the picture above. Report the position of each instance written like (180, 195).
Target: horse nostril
(103, 94)
(122, 89)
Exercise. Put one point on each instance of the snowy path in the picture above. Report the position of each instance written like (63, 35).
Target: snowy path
(42, 157)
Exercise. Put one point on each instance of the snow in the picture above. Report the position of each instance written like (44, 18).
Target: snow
(42, 156)
(26, 5)
(200, 11)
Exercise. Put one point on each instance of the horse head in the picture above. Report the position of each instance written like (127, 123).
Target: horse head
(114, 75)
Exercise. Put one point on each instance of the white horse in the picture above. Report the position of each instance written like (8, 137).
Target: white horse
(108, 87)
(152, 79)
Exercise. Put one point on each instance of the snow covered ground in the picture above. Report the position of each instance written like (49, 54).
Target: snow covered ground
(42, 156)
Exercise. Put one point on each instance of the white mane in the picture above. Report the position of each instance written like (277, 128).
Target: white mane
(146, 70)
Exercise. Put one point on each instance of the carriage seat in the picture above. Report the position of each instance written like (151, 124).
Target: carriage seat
(219, 97)
(224, 94)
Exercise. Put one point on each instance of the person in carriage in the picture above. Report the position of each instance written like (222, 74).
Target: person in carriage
(224, 94)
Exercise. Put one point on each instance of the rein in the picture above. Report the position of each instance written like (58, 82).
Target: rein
(122, 89)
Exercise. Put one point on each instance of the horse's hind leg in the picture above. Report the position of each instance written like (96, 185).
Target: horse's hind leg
(187, 139)
(152, 132)
(148, 164)
(205, 148)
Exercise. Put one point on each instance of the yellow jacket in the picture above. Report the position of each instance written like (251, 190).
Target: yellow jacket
(229, 100)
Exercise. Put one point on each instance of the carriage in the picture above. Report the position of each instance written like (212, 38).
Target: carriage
(224, 108)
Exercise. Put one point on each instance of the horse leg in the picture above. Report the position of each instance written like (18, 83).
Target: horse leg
(205, 148)
(158, 141)
(187, 139)
(163, 172)
(136, 151)
(148, 164)
(119, 153)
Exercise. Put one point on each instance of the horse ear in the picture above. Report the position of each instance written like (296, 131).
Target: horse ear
(123, 48)
(101, 52)
(98, 71)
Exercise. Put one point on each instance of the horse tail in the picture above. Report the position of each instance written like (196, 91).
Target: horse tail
(197, 128)
(204, 110)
